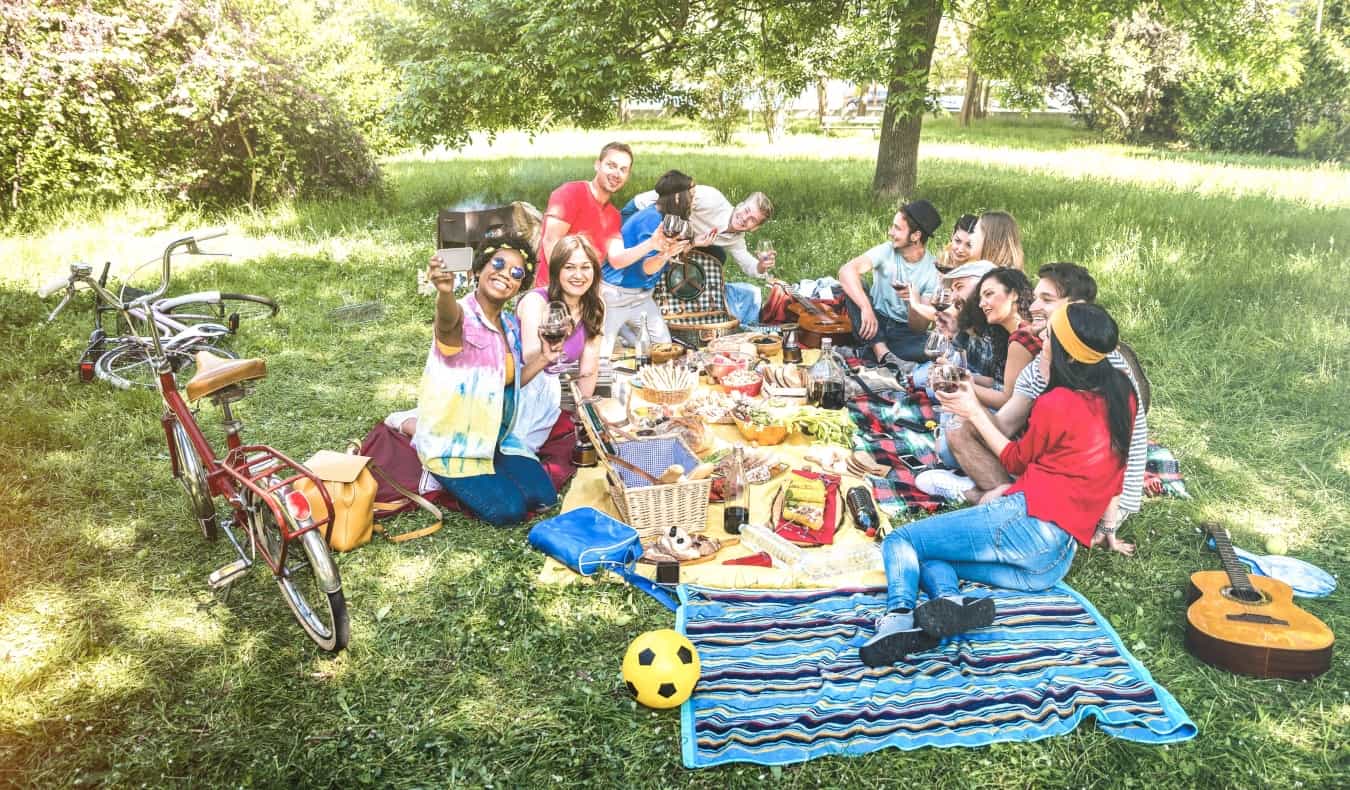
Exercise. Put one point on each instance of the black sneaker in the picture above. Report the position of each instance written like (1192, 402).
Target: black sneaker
(944, 617)
(896, 637)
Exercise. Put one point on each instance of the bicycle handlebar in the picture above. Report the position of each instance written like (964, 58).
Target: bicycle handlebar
(82, 272)
(53, 286)
(186, 241)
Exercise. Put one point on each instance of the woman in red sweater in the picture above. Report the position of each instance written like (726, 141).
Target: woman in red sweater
(1068, 464)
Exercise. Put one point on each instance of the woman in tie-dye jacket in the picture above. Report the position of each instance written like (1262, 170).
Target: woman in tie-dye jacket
(470, 385)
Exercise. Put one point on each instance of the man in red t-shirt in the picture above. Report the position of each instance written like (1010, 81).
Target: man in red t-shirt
(584, 208)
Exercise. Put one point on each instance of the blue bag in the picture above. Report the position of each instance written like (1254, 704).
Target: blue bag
(743, 302)
(587, 541)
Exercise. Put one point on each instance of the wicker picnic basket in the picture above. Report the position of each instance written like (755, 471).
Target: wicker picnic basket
(652, 509)
(701, 327)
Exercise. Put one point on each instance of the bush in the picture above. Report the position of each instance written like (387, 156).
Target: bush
(1227, 111)
(191, 100)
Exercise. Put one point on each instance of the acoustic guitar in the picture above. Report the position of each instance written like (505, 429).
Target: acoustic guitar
(1250, 625)
(816, 322)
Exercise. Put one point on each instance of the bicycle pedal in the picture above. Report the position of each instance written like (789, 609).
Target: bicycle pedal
(226, 574)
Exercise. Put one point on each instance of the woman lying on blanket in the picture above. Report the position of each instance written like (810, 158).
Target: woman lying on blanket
(466, 406)
(1069, 463)
(627, 290)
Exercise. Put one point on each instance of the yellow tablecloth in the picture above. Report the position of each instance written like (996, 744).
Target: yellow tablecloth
(589, 489)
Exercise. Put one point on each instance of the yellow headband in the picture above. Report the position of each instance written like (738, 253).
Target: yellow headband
(1063, 331)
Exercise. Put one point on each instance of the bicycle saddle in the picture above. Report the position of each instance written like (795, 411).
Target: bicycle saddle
(216, 373)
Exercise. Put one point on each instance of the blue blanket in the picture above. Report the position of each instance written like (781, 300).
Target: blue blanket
(782, 682)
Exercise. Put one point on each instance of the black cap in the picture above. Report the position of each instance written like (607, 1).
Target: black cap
(922, 214)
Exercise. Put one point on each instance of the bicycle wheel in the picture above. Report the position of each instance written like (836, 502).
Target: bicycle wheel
(192, 477)
(129, 366)
(309, 583)
(249, 307)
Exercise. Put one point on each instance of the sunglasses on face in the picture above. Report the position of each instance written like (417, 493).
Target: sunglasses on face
(517, 272)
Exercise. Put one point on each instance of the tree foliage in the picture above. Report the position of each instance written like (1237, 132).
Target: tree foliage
(195, 99)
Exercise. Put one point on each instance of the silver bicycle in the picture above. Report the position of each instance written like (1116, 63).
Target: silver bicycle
(185, 325)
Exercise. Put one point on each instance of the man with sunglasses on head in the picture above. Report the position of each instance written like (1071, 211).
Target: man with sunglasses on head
(718, 227)
(583, 208)
(902, 264)
(1059, 284)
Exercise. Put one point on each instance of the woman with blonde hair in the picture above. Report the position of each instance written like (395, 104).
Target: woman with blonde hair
(998, 240)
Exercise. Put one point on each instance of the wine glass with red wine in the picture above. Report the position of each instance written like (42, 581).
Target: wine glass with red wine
(554, 329)
(942, 299)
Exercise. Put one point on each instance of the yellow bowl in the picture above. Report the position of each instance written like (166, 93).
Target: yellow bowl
(762, 434)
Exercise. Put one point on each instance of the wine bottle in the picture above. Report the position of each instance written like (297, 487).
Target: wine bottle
(644, 345)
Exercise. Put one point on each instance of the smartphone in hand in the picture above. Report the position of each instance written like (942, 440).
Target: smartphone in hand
(456, 259)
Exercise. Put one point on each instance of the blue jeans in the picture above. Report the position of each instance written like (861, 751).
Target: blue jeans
(997, 544)
(900, 340)
(517, 486)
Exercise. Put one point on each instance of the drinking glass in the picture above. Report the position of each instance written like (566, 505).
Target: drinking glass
(937, 345)
(765, 250)
(942, 299)
(554, 329)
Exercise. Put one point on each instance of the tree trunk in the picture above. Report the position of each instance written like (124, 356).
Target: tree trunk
(982, 111)
(821, 98)
(625, 112)
(972, 96)
(898, 152)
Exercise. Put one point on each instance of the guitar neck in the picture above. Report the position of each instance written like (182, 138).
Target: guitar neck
(807, 305)
(1237, 572)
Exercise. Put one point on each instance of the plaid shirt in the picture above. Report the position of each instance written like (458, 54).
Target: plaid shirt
(979, 354)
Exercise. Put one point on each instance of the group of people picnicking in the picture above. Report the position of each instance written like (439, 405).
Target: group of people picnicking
(1044, 408)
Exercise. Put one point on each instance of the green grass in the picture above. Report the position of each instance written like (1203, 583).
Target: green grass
(117, 666)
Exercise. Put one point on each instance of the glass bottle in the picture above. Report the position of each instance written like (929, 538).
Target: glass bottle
(792, 346)
(826, 379)
(644, 345)
(735, 494)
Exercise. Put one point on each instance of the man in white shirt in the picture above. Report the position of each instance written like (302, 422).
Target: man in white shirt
(718, 227)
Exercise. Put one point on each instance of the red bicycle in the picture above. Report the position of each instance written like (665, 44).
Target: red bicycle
(255, 480)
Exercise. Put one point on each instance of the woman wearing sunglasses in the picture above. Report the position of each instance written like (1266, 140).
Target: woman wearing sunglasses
(1069, 463)
(471, 385)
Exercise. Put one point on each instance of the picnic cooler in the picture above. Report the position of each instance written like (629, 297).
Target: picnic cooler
(653, 509)
(701, 318)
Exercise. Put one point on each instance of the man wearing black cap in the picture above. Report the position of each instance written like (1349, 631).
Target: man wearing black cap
(880, 314)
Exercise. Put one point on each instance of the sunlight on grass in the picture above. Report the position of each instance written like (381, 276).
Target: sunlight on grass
(33, 635)
(173, 619)
(408, 573)
(396, 389)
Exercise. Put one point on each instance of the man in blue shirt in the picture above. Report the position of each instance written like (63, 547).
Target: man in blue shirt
(880, 314)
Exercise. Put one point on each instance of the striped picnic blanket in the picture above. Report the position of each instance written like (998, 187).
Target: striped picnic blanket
(782, 682)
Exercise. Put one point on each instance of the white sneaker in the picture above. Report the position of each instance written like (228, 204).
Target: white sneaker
(945, 483)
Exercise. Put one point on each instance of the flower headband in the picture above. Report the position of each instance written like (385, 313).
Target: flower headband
(1069, 340)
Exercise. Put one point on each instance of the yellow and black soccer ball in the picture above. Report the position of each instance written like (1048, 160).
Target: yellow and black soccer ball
(661, 668)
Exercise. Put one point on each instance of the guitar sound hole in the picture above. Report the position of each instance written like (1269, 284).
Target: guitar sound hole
(1252, 596)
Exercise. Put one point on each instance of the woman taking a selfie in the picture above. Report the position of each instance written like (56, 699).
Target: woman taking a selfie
(470, 389)
(1069, 463)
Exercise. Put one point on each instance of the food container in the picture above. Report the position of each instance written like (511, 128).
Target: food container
(665, 352)
(767, 345)
(722, 363)
(762, 434)
(746, 382)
